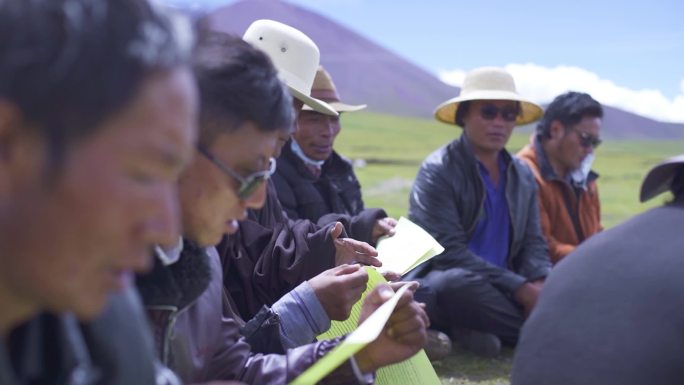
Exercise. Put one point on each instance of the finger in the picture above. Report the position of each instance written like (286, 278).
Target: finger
(391, 276)
(368, 260)
(406, 298)
(361, 247)
(345, 269)
(336, 231)
(407, 326)
(354, 280)
(379, 295)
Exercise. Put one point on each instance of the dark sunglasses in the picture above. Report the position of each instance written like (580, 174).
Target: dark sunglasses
(490, 111)
(587, 140)
(248, 184)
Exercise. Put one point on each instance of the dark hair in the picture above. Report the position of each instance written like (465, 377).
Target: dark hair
(68, 65)
(569, 109)
(462, 111)
(238, 83)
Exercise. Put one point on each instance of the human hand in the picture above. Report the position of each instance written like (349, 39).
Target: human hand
(339, 288)
(391, 276)
(350, 251)
(528, 294)
(403, 336)
(382, 227)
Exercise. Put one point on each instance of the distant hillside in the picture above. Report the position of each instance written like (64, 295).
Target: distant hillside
(365, 72)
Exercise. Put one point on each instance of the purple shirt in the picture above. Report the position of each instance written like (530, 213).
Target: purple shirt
(491, 236)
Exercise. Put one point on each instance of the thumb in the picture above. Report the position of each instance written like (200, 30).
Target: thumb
(336, 231)
(380, 294)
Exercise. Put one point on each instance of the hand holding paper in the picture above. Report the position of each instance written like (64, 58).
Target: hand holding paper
(408, 335)
(350, 251)
(407, 248)
(403, 336)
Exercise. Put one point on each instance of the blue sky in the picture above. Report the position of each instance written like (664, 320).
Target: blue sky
(626, 53)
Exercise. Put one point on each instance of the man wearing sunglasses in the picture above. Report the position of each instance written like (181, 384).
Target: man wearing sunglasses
(560, 155)
(481, 205)
(244, 109)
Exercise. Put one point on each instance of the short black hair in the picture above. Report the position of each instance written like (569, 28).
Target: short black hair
(461, 112)
(238, 83)
(68, 65)
(569, 109)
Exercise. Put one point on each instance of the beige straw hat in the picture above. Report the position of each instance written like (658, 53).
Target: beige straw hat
(324, 89)
(488, 83)
(295, 56)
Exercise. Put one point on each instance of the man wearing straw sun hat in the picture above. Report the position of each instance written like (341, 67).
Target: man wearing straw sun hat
(480, 203)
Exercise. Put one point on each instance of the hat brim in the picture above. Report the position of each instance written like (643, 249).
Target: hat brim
(315, 104)
(659, 179)
(340, 107)
(446, 112)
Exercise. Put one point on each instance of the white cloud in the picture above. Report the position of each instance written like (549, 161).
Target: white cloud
(542, 84)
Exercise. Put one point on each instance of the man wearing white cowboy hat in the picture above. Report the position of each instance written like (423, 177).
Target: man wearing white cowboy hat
(270, 255)
(612, 313)
(313, 180)
(481, 205)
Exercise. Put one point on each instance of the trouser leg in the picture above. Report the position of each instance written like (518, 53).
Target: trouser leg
(465, 300)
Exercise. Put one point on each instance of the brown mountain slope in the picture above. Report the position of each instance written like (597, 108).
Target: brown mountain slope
(365, 72)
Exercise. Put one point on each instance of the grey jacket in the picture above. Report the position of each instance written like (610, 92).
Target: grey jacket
(114, 349)
(612, 311)
(447, 199)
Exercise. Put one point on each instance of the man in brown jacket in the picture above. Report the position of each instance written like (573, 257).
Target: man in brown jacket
(560, 155)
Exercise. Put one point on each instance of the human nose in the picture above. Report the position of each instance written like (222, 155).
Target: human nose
(163, 226)
(257, 198)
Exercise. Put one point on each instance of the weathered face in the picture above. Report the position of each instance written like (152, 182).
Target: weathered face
(70, 241)
(209, 196)
(316, 134)
(489, 134)
(574, 143)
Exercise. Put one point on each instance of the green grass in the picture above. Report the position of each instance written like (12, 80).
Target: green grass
(388, 151)
(392, 149)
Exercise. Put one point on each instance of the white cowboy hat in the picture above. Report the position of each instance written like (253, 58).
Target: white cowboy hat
(488, 83)
(324, 89)
(660, 178)
(294, 55)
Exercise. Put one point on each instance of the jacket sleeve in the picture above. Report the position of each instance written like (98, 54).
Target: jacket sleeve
(285, 195)
(433, 206)
(534, 260)
(557, 249)
(286, 255)
(359, 227)
(235, 361)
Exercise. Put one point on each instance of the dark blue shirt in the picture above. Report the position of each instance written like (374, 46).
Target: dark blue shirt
(491, 236)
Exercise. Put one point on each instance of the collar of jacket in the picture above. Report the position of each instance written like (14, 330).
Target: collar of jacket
(333, 165)
(179, 284)
(51, 345)
(462, 146)
(545, 169)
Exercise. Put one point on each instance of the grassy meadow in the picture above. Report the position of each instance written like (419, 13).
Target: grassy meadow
(388, 150)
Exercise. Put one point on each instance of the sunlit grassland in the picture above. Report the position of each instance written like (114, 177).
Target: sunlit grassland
(388, 151)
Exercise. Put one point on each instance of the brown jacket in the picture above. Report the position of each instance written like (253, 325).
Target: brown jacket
(190, 293)
(569, 214)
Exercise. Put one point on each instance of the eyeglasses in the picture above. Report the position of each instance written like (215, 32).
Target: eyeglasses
(587, 140)
(248, 184)
(490, 111)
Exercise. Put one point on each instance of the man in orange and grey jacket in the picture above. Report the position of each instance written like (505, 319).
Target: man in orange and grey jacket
(560, 156)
